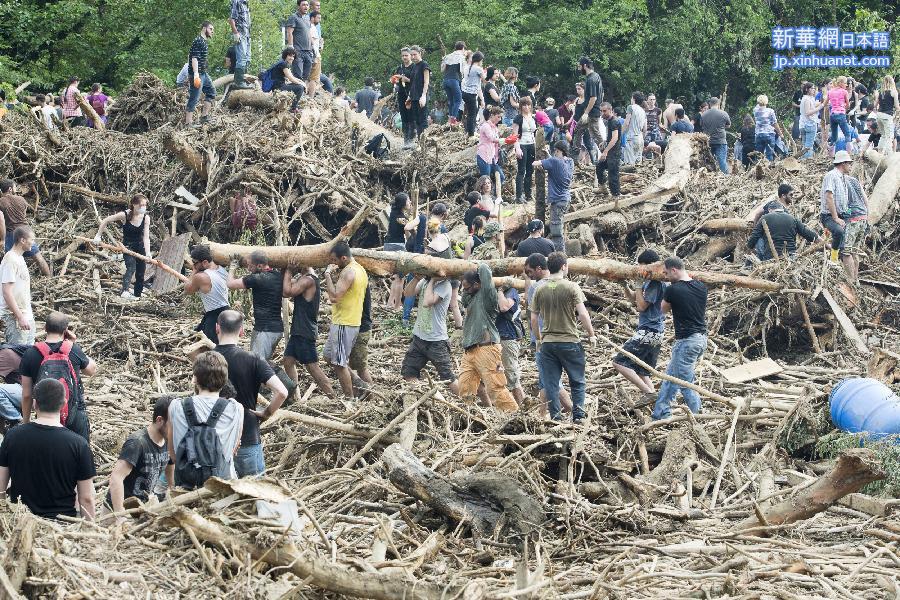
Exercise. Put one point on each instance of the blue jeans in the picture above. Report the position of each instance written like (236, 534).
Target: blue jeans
(557, 357)
(486, 168)
(765, 142)
(720, 151)
(242, 54)
(454, 96)
(808, 134)
(206, 86)
(326, 83)
(11, 401)
(839, 121)
(685, 355)
(248, 462)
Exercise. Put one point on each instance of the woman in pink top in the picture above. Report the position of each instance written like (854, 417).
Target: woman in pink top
(838, 102)
(488, 157)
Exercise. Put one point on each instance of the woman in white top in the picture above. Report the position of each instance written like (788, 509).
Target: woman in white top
(809, 118)
(472, 92)
(452, 67)
(524, 126)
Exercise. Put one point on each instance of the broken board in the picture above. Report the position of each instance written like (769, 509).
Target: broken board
(845, 322)
(752, 370)
(171, 253)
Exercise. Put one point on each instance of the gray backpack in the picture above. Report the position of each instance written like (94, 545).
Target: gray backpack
(199, 455)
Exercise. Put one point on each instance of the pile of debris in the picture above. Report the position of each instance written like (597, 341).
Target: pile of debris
(415, 494)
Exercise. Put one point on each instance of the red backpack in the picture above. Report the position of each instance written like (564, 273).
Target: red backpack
(56, 365)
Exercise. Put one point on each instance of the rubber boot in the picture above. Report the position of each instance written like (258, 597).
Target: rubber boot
(239, 83)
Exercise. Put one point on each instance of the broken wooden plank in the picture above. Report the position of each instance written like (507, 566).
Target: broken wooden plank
(756, 369)
(171, 253)
(845, 322)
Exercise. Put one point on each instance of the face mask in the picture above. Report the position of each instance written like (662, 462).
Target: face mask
(141, 211)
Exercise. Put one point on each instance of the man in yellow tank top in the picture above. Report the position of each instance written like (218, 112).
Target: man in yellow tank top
(347, 297)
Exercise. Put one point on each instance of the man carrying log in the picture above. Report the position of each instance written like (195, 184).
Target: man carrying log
(265, 284)
(783, 229)
(557, 303)
(248, 373)
(685, 298)
(211, 282)
(482, 357)
(198, 64)
(347, 296)
(301, 347)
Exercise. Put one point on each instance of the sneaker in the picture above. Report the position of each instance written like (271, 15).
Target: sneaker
(646, 399)
(128, 295)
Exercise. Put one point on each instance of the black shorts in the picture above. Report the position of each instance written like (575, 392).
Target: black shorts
(645, 345)
(420, 353)
(302, 349)
(208, 324)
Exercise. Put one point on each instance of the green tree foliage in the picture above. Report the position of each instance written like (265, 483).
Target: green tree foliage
(690, 48)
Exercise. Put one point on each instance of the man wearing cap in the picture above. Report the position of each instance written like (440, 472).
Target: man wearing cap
(783, 229)
(833, 200)
(560, 169)
(535, 242)
(491, 248)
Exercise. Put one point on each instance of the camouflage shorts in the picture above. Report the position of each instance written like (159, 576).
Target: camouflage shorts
(854, 237)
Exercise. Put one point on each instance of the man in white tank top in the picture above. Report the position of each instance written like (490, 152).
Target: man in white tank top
(211, 282)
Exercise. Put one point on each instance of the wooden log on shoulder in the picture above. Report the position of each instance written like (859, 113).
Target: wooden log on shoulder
(379, 262)
(854, 469)
(89, 112)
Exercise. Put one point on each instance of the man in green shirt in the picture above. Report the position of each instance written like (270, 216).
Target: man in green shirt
(482, 358)
(556, 303)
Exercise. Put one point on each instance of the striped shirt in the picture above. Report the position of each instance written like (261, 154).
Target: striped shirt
(69, 104)
(200, 51)
(765, 119)
(240, 13)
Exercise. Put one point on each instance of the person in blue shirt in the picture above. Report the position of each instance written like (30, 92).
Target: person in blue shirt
(647, 339)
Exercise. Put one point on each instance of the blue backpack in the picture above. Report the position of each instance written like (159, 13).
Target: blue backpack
(267, 80)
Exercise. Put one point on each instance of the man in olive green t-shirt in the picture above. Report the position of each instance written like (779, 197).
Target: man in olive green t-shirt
(556, 303)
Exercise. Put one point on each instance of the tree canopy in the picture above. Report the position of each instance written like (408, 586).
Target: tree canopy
(690, 48)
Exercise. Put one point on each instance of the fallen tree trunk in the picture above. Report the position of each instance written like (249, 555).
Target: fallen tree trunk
(878, 160)
(854, 468)
(315, 571)
(252, 99)
(885, 191)
(378, 262)
(184, 152)
(478, 500)
(675, 177)
(725, 225)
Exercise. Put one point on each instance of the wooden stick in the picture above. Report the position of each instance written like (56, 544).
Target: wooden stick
(770, 242)
(809, 328)
(157, 263)
(725, 453)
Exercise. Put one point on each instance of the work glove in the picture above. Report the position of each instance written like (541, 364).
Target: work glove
(197, 82)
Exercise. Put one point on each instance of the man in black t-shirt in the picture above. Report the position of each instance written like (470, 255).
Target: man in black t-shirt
(265, 283)
(51, 468)
(198, 77)
(535, 242)
(57, 327)
(142, 460)
(590, 119)
(611, 157)
(420, 80)
(247, 373)
(301, 347)
(685, 298)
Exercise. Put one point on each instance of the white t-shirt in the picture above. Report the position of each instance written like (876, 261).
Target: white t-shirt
(228, 427)
(14, 270)
(47, 113)
(342, 103)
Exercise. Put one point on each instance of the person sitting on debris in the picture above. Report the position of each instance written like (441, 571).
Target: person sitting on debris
(482, 357)
(51, 468)
(430, 341)
(685, 298)
(301, 347)
(681, 124)
(59, 341)
(11, 388)
(143, 460)
(647, 339)
(557, 303)
(511, 330)
(535, 242)
(248, 373)
(347, 296)
(135, 237)
(198, 59)
(15, 301)
(491, 246)
(243, 210)
(538, 275)
(265, 284)
(13, 213)
(225, 416)
(856, 228)
(211, 282)
(284, 78)
(783, 229)
(560, 170)
(874, 139)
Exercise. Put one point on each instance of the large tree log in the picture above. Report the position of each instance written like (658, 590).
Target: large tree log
(252, 99)
(854, 468)
(478, 500)
(883, 195)
(89, 112)
(184, 152)
(378, 262)
(726, 225)
(675, 177)
(316, 571)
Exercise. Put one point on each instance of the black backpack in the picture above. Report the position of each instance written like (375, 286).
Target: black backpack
(199, 455)
(378, 146)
